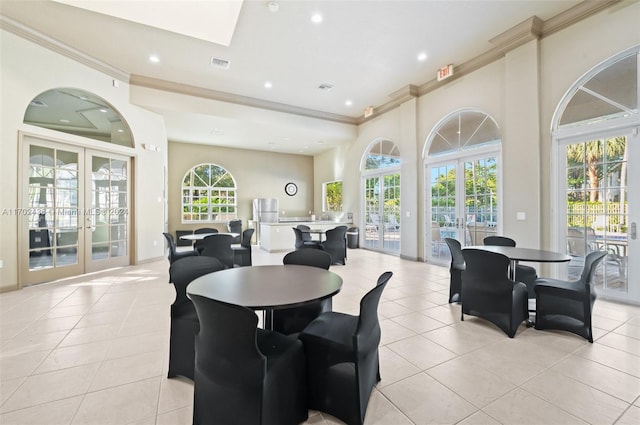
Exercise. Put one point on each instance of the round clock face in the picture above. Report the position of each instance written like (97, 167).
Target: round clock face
(291, 189)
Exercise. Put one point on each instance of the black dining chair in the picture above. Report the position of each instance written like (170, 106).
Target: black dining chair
(567, 305)
(219, 246)
(242, 251)
(335, 243)
(173, 253)
(524, 274)
(487, 291)
(199, 244)
(343, 364)
(301, 243)
(293, 320)
(184, 320)
(455, 269)
(245, 375)
(235, 226)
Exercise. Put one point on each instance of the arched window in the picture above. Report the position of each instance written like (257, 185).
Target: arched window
(461, 181)
(81, 113)
(208, 194)
(595, 132)
(381, 197)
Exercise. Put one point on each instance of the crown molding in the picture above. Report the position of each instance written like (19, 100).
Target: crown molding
(575, 14)
(170, 86)
(50, 43)
(398, 97)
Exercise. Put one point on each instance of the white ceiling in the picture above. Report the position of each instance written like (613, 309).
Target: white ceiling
(366, 49)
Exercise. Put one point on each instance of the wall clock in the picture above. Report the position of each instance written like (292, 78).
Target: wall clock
(291, 189)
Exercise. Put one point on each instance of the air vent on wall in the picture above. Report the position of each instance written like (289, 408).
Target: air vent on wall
(220, 63)
(325, 87)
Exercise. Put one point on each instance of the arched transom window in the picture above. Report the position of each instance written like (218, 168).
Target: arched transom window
(382, 154)
(208, 194)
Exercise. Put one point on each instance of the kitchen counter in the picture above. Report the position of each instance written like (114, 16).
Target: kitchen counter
(280, 237)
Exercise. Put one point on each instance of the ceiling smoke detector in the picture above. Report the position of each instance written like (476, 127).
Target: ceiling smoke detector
(325, 87)
(220, 63)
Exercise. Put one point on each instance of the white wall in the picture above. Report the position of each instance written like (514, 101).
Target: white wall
(28, 70)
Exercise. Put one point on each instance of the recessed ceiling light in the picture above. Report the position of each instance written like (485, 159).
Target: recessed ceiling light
(422, 56)
(268, 85)
(348, 102)
(316, 18)
(154, 59)
(217, 132)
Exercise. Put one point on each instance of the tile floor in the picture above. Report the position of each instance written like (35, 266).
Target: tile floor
(93, 350)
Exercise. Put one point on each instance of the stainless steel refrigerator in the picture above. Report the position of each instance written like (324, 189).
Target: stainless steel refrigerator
(265, 210)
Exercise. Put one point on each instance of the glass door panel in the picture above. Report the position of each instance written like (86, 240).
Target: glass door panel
(382, 212)
(75, 217)
(50, 213)
(463, 204)
(597, 203)
(108, 223)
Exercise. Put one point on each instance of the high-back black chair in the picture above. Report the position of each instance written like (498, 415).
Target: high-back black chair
(487, 291)
(567, 305)
(455, 270)
(242, 252)
(306, 236)
(199, 244)
(301, 242)
(245, 375)
(335, 244)
(219, 246)
(293, 320)
(235, 226)
(524, 274)
(342, 358)
(173, 253)
(184, 321)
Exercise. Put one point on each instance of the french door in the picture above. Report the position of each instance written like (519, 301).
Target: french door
(382, 212)
(462, 203)
(599, 204)
(75, 211)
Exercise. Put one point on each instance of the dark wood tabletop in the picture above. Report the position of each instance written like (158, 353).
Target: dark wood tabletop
(525, 254)
(267, 287)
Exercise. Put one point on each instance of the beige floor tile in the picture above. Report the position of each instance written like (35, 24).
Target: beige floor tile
(418, 322)
(479, 418)
(91, 334)
(23, 343)
(102, 318)
(589, 404)
(621, 342)
(380, 411)
(523, 408)
(390, 309)
(421, 352)
(425, 401)
(59, 412)
(604, 378)
(394, 368)
(630, 330)
(75, 355)
(138, 344)
(21, 364)
(416, 302)
(612, 357)
(8, 387)
(120, 405)
(182, 416)
(175, 393)
(392, 331)
(475, 384)
(448, 314)
(630, 417)
(51, 386)
(125, 370)
(465, 337)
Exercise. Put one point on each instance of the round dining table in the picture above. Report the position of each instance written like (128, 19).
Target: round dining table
(268, 287)
(517, 254)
